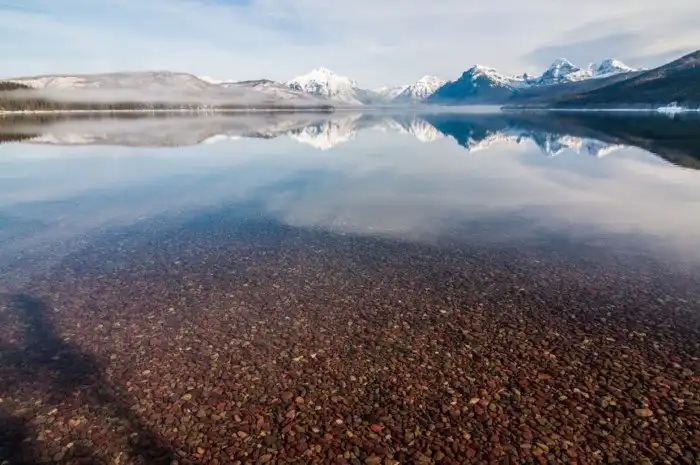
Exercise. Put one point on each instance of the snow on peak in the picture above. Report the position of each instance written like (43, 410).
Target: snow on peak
(391, 92)
(562, 70)
(480, 71)
(609, 67)
(212, 80)
(325, 83)
(562, 64)
(422, 89)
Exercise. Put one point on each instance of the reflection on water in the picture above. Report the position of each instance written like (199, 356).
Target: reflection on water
(425, 177)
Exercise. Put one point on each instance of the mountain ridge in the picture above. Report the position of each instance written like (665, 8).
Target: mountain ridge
(608, 83)
(484, 85)
(675, 82)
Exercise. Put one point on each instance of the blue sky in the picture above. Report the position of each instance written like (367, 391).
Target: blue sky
(376, 43)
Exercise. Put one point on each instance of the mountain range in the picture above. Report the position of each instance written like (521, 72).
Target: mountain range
(484, 85)
(604, 84)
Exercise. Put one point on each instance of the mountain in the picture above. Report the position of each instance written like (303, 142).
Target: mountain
(479, 84)
(561, 70)
(144, 80)
(420, 90)
(541, 96)
(609, 67)
(276, 90)
(325, 83)
(483, 85)
(390, 92)
(678, 81)
(158, 86)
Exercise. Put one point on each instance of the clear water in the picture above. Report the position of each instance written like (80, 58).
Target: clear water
(426, 178)
(349, 288)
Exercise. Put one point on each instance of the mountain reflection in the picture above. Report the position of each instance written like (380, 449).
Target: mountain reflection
(676, 139)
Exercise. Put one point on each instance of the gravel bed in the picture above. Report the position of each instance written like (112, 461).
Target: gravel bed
(239, 343)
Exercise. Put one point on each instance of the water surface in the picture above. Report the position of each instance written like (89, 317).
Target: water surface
(423, 288)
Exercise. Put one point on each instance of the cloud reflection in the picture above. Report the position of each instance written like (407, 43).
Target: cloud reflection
(384, 180)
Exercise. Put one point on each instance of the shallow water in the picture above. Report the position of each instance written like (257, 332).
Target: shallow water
(434, 257)
(425, 178)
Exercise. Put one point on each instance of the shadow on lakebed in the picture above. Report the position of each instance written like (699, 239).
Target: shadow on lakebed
(68, 390)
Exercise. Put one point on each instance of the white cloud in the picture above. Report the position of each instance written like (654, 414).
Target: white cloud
(374, 42)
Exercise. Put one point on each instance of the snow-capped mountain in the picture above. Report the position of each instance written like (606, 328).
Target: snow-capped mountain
(609, 67)
(160, 86)
(276, 90)
(479, 84)
(563, 70)
(146, 80)
(325, 83)
(390, 92)
(422, 89)
(484, 85)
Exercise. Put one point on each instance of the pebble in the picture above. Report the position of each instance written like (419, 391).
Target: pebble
(379, 388)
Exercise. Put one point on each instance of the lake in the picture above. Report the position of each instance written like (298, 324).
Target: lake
(368, 288)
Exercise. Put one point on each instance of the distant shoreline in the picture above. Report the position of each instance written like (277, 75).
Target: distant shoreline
(659, 110)
(174, 111)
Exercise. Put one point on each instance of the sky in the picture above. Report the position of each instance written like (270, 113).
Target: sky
(374, 42)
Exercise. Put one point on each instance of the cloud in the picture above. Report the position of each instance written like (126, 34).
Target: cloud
(642, 43)
(374, 42)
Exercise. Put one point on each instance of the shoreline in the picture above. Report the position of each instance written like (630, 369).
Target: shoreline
(174, 111)
(660, 110)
